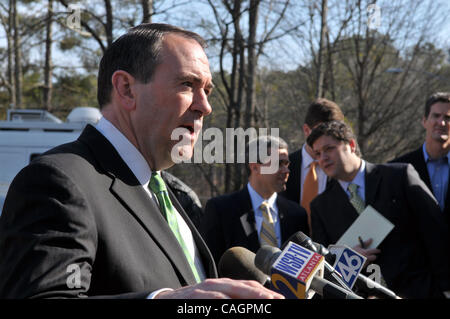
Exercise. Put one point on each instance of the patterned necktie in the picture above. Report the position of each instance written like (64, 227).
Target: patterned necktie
(267, 234)
(158, 187)
(310, 190)
(355, 199)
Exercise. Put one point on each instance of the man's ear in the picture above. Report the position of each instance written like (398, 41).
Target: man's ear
(306, 130)
(254, 168)
(424, 119)
(352, 144)
(123, 88)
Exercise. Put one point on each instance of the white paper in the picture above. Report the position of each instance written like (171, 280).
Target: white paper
(369, 224)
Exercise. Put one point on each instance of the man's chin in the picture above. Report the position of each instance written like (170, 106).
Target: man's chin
(441, 138)
(182, 154)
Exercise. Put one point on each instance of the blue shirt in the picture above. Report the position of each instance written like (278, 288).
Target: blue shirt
(257, 200)
(358, 180)
(438, 172)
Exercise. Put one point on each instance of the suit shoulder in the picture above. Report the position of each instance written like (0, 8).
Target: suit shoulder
(295, 156)
(223, 202)
(393, 167)
(408, 157)
(327, 195)
(292, 205)
(223, 198)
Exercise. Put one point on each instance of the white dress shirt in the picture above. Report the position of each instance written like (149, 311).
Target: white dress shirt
(138, 165)
(306, 163)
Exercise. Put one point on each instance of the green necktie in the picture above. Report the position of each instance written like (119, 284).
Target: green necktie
(158, 187)
(355, 199)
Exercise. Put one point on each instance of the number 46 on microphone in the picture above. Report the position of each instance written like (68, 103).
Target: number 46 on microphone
(349, 263)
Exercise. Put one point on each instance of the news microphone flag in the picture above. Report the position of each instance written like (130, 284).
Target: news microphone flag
(349, 263)
(294, 270)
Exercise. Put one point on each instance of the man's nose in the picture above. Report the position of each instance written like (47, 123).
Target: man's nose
(200, 103)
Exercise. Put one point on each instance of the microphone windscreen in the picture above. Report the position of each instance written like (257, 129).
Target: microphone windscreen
(265, 257)
(299, 238)
(239, 263)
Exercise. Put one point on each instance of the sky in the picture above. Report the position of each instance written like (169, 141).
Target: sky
(288, 57)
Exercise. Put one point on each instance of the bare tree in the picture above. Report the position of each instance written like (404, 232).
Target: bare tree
(244, 29)
(323, 38)
(47, 89)
(8, 79)
(17, 54)
(147, 11)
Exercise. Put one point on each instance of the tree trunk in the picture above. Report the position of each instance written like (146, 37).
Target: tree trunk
(10, 41)
(109, 22)
(17, 56)
(323, 33)
(250, 117)
(147, 11)
(47, 92)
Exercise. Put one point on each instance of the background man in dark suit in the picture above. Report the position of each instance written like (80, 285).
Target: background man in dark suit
(92, 217)
(321, 110)
(431, 160)
(237, 219)
(412, 257)
(186, 196)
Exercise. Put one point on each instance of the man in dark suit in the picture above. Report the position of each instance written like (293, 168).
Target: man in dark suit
(412, 257)
(302, 163)
(237, 219)
(431, 160)
(93, 217)
(186, 196)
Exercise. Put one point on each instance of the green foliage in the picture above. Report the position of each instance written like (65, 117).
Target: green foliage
(69, 43)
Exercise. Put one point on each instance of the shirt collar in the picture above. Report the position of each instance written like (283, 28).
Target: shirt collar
(127, 151)
(306, 158)
(257, 199)
(427, 157)
(359, 178)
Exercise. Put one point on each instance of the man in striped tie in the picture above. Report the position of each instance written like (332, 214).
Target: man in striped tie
(255, 215)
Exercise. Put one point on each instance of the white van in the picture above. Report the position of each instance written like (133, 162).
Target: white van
(28, 133)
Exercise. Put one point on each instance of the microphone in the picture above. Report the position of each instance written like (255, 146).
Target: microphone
(363, 283)
(239, 263)
(349, 263)
(303, 240)
(335, 277)
(297, 272)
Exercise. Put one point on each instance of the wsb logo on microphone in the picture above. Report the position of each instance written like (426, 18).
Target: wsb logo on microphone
(348, 263)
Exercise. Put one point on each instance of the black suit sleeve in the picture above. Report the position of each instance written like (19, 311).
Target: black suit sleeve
(431, 225)
(48, 237)
(212, 231)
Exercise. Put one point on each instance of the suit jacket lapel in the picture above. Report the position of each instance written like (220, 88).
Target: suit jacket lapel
(284, 222)
(421, 166)
(247, 218)
(372, 180)
(293, 185)
(130, 193)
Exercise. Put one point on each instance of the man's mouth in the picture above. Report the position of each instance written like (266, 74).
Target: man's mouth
(189, 127)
